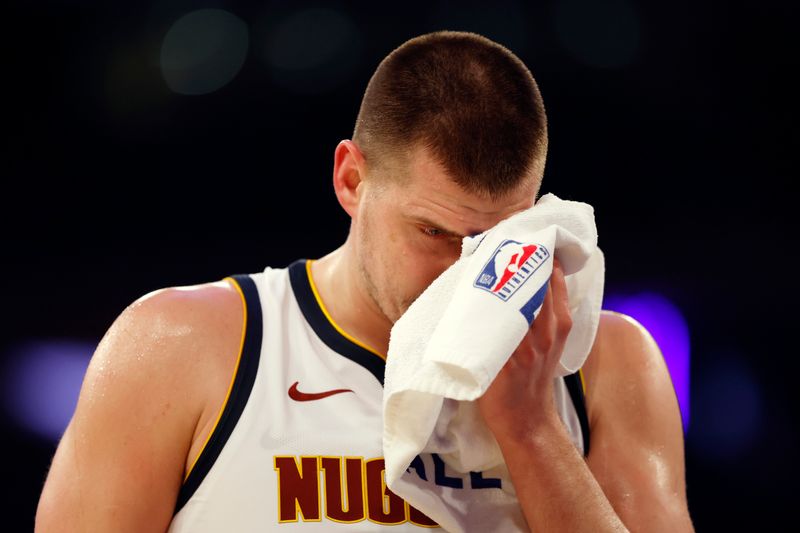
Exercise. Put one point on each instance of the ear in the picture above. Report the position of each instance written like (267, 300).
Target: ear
(348, 174)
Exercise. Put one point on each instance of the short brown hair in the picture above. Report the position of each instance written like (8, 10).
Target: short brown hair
(469, 100)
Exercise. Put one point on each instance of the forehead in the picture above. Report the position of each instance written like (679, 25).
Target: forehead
(429, 192)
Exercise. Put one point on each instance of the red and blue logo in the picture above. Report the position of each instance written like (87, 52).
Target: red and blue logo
(509, 266)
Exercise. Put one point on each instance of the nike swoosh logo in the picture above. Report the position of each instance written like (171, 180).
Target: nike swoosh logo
(298, 396)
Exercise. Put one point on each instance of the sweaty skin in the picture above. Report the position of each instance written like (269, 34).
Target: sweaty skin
(149, 399)
(160, 375)
(406, 230)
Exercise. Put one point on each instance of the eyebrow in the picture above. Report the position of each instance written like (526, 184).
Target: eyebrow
(450, 232)
(428, 222)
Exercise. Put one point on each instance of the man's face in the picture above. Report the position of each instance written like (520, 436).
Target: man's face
(409, 229)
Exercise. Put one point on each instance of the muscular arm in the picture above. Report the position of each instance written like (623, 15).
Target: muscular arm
(121, 461)
(634, 476)
(637, 453)
(557, 492)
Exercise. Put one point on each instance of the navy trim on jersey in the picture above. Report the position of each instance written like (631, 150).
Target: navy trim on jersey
(240, 392)
(573, 382)
(301, 286)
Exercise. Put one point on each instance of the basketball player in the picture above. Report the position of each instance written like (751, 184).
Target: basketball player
(254, 403)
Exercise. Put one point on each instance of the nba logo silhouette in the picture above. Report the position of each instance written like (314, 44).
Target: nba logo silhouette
(509, 266)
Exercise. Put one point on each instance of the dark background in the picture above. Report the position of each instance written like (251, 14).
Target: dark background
(673, 119)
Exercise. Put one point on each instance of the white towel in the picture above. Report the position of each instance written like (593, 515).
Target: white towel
(448, 347)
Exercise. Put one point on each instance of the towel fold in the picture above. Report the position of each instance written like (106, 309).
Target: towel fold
(450, 344)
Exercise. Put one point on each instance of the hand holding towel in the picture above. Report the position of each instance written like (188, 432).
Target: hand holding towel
(448, 347)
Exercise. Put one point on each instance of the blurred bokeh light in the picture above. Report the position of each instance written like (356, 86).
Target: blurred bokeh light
(41, 382)
(312, 50)
(666, 324)
(203, 51)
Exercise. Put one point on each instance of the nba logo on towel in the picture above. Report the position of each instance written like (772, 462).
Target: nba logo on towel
(510, 265)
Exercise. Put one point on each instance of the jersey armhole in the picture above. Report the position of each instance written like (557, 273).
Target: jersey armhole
(238, 391)
(577, 389)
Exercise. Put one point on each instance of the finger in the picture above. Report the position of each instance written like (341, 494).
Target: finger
(561, 300)
(543, 321)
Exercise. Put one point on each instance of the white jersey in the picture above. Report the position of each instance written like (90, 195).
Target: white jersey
(297, 445)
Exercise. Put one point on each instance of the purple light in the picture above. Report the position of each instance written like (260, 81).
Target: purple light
(668, 327)
(42, 380)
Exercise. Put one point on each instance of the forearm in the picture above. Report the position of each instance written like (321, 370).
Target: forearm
(555, 488)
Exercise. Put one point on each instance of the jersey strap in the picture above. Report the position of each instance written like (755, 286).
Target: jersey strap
(238, 393)
(574, 384)
(325, 328)
(317, 317)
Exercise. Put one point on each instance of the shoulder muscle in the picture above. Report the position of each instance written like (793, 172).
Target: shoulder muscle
(120, 463)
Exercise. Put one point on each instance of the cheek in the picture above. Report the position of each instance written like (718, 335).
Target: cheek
(428, 272)
(383, 251)
(434, 256)
(403, 266)
(426, 262)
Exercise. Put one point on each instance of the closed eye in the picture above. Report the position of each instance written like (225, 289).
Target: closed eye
(433, 232)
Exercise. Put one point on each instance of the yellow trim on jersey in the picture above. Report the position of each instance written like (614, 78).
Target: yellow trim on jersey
(583, 381)
(233, 378)
(330, 319)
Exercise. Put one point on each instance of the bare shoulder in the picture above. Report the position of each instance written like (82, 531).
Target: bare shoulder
(624, 351)
(159, 374)
(636, 449)
(178, 325)
(174, 309)
(625, 368)
(174, 339)
(179, 345)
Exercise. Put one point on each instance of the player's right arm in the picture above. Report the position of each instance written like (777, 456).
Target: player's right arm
(160, 372)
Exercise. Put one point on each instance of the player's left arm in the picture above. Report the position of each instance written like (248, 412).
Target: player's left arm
(637, 448)
(633, 479)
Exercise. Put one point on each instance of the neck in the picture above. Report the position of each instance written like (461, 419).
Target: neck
(341, 289)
